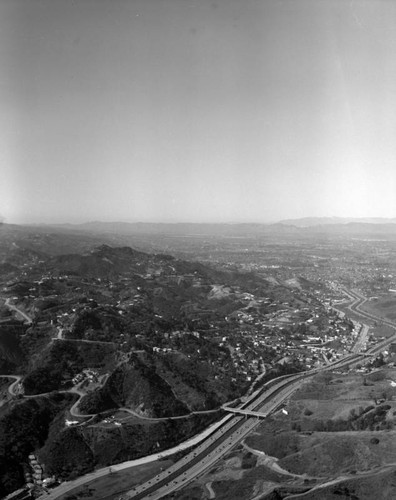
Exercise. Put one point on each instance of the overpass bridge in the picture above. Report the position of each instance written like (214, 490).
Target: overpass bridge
(245, 413)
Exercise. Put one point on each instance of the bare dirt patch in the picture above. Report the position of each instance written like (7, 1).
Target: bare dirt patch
(239, 476)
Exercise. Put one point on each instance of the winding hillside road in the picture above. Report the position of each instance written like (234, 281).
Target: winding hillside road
(18, 311)
(12, 386)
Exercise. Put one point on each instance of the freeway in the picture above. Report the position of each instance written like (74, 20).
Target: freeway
(68, 486)
(356, 306)
(210, 445)
(358, 301)
(214, 444)
(196, 462)
(229, 432)
(362, 338)
(217, 445)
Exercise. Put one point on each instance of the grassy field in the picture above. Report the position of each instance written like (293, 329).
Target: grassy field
(382, 331)
(380, 485)
(384, 306)
(349, 387)
(334, 453)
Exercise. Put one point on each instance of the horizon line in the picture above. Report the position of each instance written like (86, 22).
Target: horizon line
(346, 219)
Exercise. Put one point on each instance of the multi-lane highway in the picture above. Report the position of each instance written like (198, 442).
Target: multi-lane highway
(230, 431)
(218, 444)
(358, 302)
(202, 458)
(235, 427)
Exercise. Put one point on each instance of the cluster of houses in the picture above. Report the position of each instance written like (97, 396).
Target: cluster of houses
(34, 479)
(86, 374)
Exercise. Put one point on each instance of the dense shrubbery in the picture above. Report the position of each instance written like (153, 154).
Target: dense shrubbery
(96, 402)
(42, 380)
(74, 451)
(62, 362)
(99, 323)
(135, 385)
(24, 429)
(11, 476)
(135, 440)
(67, 455)
(249, 461)
(122, 389)
(11, 355)
(194, 373)
(370, 418)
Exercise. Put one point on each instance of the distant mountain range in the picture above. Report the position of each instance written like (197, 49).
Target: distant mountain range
(32, 243)
(325, 221)
(287, 227)
(176, 229)
(207, 228)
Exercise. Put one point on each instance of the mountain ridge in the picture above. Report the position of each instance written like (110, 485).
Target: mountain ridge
(322, 221)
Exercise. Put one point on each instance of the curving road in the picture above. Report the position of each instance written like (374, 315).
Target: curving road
(18, 311)
(12, 386)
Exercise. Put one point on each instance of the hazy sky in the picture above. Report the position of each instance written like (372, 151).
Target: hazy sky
(195, 110)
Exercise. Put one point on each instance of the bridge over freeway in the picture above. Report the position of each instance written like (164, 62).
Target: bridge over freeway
(246, 413)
